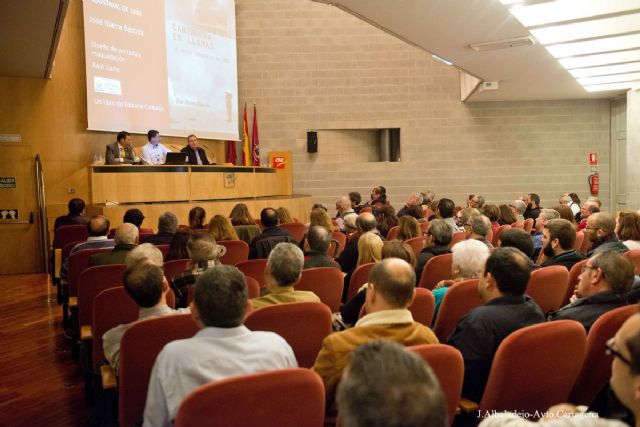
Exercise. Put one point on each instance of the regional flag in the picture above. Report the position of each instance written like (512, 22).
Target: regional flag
(255, 141)
(246, 154)
(232, 157)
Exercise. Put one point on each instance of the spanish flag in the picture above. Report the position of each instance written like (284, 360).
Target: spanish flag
(246, 151)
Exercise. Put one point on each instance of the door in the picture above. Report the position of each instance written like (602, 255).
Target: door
(618, 174)
(19, 240)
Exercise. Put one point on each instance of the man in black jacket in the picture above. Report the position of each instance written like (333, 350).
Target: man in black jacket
(558, 238)
(437, 243)
(195, 153)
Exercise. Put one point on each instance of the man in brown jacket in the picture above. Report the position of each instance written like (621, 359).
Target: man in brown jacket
(390, 291)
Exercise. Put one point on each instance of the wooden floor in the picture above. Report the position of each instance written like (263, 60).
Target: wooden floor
(40, 384)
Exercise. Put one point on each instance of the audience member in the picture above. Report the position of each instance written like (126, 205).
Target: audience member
(600, 230)
(318, 240)
(284, 267)
(320, 217)
(415, 211)
(518, 207)
(437, 243)
(134, 216)
(369, 249)
(144, 252)
(533, 206)
(223, 348)
(408, 228)
(125, 240)
(271, 235)
(507, 217)
(390, 291)
(566, 213)
(566, 200)
(415, 199)
(595, 200)
(493, 213)
(356, 200)
(243, 223)
(204, 253)
(75, 215)
(544, 216)
(476, 202)
(505, 309)
(558, 240)
(221, 229)
(477, 228)
(628, 229)
(386, 218)
(348, 258)
(378, 197)
(444, 211)
(167, 226)
(587, 209)
(517, 238)
(386, 385)
(346, 216)
(97, 228)
(284, 216)
(197, 218)
(178, 245)
(603, 285)
(146, 285)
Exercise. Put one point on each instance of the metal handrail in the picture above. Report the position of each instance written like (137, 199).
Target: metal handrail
(43, 231)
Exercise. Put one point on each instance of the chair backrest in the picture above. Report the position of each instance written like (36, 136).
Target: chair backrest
(143, 235)
(586, 244)
(66, 249)
(423, 307)
(548, 286)
(359, 277)
(237, 251)
(304, 325)
(173, 267)
(457, 237)
(341, 238)
(113, 307)
(287, 397)
(437, 268)
(634, 257)
(596, 369)
(246, 233)
(264, 247)
(416, 243)
(79, 262)
(448, 366)
(528, 225)
(296, 229)
(579, 239)
(254, 268)
(253, 290)
(92, 281)
(326, 283)
(459, 299)
(164, 249)
(70, 233)
(535, 367)
(334, 248)
(139, 348)
(393, 233)
(496, 235)
(574, 278)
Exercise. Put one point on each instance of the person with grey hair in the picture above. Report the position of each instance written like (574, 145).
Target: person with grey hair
(126, 239)
(348, 259)
(477, 202)
(346, 216)
(204, 253)
(518, 207)
(284, 268)
(437, 243)
(318, 240)
(375, 368)
(222, 348)
(566, 200)
(588, 208)
(601, 231)
(415, 199)
(145, 251)
(477, 228)
(167, 226)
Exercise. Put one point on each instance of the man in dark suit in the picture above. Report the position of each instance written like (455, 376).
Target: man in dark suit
(196, 153)
(126, 239)
(121, 152)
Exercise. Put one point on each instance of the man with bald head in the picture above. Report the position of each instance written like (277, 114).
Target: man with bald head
(390, 291)
(600, 230)
(126, 239)
(98, 229)
(348, 259)
(346, 216)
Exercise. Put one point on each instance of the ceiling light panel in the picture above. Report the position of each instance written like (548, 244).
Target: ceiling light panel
(568, 10)
(606, 70)
(608, 44)
(616, 78)
(612, 86)
(588, 29)
(601, 59)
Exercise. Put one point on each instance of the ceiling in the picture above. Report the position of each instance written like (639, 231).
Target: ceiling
(29, 34)
(447, 28)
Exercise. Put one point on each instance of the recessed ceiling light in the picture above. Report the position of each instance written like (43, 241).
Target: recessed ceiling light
(441, 59)
(611, 86)
(503, 44)
(588, 29)
(606, 70)
(568, 10)
(616, 78)
(600, 59)
(608, 44)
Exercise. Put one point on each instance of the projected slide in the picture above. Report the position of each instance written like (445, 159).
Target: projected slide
(169, 65)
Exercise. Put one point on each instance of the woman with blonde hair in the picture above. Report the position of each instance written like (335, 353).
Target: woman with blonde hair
(319, 216)
(240, 215)
(284, 217)
(369, 249)
(408, 228)
(221, 229)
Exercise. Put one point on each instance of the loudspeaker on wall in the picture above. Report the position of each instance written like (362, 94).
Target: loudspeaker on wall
(312, 142)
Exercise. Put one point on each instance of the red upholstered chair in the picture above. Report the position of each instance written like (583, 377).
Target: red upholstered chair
(596, 368)
(79, 262)
(448, 366)
(259, 224)
(253, 289)
(173, 267)
(92, 281)
(437, 268)
(237, 251)
(518, 224)
(457, 237)
(393, 233)
(287, 397)
(528, 225)
(254, 268)
(326, 282)
(341, 238)
(634, 257)
(586, 244)
(66, 249)
(548, 287)
(359, 277)
(574, 278)
(459, 299)
(423, 307)
(142, 236)
(496, 236)
(296, 229)
(303, 324)
(416, 243)
(424, 226)
(164, 249)
(139, 348)
(579, 240)
(69, 233)
(535, 367)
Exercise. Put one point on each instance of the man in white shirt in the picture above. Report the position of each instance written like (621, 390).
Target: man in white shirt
(223, 348)
(154, 153)
(346, 217)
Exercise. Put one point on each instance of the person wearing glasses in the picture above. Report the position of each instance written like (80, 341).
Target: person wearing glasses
(600, 230)
(603, 285)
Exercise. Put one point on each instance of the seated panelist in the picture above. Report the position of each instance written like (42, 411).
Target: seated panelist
(153, 152)
(195, 153)
(121, 152)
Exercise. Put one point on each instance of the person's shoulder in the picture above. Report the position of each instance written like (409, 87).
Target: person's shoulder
(269, 338)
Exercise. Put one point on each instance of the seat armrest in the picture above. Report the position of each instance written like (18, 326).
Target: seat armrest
(86, 333)
(467, 405)
(108, 377)
(57, 257)
(73, 302)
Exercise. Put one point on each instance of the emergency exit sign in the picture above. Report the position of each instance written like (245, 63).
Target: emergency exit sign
(593, 159)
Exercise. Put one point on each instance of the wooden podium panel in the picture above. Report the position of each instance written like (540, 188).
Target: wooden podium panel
(130, 184)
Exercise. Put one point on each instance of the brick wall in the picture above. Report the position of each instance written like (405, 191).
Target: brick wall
(310, 66)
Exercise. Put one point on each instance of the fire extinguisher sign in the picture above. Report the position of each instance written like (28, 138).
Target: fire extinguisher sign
(593, 159)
